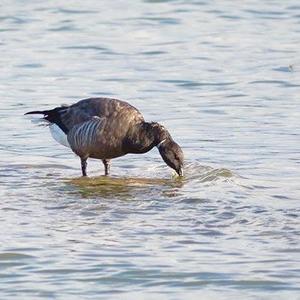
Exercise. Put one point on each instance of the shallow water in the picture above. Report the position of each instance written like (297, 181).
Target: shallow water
(223, 77)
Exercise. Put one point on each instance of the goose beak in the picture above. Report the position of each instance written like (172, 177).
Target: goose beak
(180, 172)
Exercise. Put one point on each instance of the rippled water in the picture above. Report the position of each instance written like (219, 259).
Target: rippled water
(223, 77)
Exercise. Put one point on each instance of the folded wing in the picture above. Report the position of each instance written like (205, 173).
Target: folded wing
(83, 138)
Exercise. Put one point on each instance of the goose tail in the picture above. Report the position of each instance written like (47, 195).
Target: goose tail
(38, 112)
(53, 119)
(52, 116)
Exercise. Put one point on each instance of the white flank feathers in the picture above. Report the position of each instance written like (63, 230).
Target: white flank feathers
(59, 135)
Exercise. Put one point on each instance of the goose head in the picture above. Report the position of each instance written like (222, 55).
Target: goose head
(172, 155)
(169, 150)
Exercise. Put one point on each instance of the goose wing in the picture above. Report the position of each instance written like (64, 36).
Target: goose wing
(66, 117)
(108, 108)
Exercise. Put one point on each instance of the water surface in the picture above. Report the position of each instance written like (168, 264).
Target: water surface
(223, 77)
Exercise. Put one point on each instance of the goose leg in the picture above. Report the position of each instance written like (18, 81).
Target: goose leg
(83, 166)
(106, 163)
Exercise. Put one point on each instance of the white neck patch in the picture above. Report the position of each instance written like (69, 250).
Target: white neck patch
(160, 143)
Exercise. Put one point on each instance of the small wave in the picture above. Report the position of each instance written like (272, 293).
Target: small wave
(50, 166)
(35, 166)
(5, 256)
(200, 173)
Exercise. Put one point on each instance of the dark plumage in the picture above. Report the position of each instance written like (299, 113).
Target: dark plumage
(106, 128)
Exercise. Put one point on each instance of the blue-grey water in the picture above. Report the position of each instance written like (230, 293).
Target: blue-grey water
(223, 77)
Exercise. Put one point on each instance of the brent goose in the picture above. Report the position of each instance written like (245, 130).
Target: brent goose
(106, 128)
